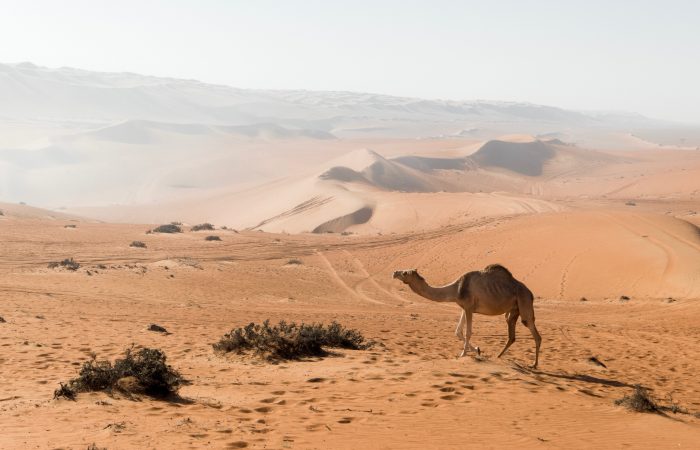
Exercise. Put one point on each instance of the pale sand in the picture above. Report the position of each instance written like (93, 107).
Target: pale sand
(412, 392)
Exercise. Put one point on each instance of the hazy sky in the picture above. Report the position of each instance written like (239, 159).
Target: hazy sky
(638, 55)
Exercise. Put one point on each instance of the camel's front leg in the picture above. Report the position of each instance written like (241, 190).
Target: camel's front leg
(467, 345)
(459, 332)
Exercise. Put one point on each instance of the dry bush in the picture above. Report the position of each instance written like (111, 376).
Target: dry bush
(640, 400)
(295, 261)
(203, 227)
(94, 446)
(212, 238)
(289, 340)
(68, 263)
(168, 228)
(138, 244)
(145, 369)
(157, 328)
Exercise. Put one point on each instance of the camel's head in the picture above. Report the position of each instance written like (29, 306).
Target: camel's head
(407, 275)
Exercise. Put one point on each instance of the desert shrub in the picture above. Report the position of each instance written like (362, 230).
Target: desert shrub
(168, 228)
(94, 446)
(624, 298)
(203, 227)
(70, 226)
(640, 400)
(2, 319)
(212, 238)
(1, 213)
(157, 328)
(65, 391)
(630, 203)
(147, 367)
(68, 263)
(295, 261)
(138, 244)
(289, 340)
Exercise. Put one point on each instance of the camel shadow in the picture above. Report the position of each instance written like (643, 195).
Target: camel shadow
(571, 377)
(660, 409)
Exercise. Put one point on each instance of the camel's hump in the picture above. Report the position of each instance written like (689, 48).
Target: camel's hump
(497, 268)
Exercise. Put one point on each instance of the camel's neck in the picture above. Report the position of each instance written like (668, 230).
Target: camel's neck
(446, 293)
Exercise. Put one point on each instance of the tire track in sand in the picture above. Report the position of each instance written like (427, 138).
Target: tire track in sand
(369, 278)
(336, 277)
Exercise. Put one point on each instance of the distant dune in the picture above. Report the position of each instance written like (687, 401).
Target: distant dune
(527, 158)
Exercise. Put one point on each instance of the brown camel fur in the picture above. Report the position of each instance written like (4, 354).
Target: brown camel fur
(492, 291)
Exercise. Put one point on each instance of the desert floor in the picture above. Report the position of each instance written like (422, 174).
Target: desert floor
(410, 390)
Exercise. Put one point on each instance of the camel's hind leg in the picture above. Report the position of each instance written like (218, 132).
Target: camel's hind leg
(512, 319)
(530, 324)
(538, 341)
(527, 310)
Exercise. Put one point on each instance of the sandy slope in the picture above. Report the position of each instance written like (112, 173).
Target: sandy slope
(402, 186)
(410, 392)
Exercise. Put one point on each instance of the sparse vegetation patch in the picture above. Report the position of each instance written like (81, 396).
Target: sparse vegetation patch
(289, 340)
(144, 371)
(157, 328)
(203, 227)
(68, 263)
(640, 400)
(295, 262)
(138, 244)
(212, 238)
(168, 228)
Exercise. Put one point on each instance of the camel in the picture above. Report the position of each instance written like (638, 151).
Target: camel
(492, 291)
